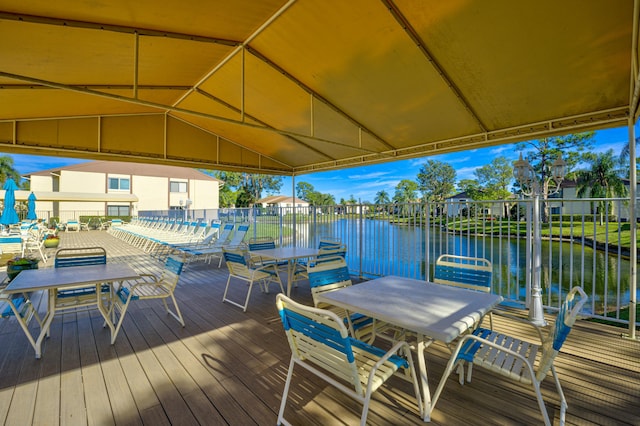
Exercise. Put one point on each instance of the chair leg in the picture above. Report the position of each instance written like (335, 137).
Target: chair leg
(285, 393)
(177, 315)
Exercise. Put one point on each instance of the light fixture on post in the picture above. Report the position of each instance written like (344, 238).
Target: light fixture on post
(532, 186)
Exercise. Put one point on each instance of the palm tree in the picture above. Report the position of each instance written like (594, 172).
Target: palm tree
(382, 199)
(602, 180)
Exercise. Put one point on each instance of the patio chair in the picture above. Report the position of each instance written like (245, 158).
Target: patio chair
(150, 286)
(216, 251)
(240, 269)
(330, 275)
(74, 297)
(34, 241)
(473, 273)
(321, 344)
(214, 247)
(73, 225)
(518, 359)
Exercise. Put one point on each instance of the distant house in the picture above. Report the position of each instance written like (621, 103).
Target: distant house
(458, 204)
(156, 187)
(281, 201)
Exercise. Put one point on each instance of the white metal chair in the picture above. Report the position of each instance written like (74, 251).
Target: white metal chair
(321, 344)
(330, 275)
(518, 359)
(239, 268)
(150, 286)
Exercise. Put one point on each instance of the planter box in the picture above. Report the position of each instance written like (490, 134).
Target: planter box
(51, 242)
(14, 270)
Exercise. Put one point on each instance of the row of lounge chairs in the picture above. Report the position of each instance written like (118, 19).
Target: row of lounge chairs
(192, 239)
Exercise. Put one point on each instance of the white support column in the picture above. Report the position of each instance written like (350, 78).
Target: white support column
(633, 253)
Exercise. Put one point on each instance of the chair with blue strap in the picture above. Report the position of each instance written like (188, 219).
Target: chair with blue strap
(473, 273)
(320, 343)
(214, 246)
(518, 359)
(237, 260)
(74, 297)
(330, 275)
(150, 286)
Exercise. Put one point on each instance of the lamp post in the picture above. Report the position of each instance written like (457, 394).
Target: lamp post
(532, 186)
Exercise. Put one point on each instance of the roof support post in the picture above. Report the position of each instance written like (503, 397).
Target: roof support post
(633, 231)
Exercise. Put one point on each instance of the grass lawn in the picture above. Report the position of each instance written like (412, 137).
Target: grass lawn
(612, 234)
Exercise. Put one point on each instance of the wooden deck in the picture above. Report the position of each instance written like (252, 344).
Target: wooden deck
(229, 367)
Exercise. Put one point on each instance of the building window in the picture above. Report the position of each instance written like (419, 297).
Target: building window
(117, 210)
(178, 186)
(119, 184)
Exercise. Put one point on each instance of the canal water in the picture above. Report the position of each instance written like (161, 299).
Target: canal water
(378, 247)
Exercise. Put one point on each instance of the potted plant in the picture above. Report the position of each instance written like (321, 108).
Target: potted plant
(51, 240)
(17, 264)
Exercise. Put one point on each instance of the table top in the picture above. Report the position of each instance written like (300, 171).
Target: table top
(47, 278)
(434, 310)
(285, 253)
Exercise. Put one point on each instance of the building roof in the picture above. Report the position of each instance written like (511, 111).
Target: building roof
(118, 167)
(280, 199)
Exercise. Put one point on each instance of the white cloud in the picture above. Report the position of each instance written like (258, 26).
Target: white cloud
(371, 175)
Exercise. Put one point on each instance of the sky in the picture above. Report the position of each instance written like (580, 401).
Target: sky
(364, 182)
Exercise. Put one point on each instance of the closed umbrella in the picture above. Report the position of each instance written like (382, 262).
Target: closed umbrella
(31, 212)
(9, 215)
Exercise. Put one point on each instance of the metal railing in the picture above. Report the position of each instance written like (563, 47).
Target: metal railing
(584, 242)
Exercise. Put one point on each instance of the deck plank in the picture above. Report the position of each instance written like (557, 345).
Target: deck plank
(229, 367)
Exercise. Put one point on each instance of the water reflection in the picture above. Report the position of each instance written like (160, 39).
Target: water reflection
(377, 247)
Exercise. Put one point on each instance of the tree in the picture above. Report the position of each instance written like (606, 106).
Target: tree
(471, 187)
(7, 170)
(248, 186)
(305, 191)
(382, 197)
(495, 179)
(436, 180)
(601, 180)
(543, 152)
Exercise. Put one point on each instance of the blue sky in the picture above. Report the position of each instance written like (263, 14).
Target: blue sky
(364, 182)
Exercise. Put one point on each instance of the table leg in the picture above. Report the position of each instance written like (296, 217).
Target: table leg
(106, 313)
(44, 329)
(423, 343)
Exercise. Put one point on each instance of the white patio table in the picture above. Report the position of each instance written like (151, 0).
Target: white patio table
(433, 311)
(289, 254)
(53, 279)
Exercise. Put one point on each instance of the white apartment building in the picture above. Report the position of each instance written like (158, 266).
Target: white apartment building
(104, 186)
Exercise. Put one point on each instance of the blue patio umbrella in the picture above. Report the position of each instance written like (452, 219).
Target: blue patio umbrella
(9, 215)
(31, 212)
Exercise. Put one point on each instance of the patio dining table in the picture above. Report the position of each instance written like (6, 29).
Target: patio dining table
(432, 311)
(53, 279)
(289, 254)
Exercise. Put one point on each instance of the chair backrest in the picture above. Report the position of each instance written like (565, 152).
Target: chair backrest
(462, 271)
(236, 261)
(239, 235)
(329, 243)
(319, 336)
(226, 232)
(330, 251)
(172, 269)
(327, 276)
(569, 310)
(81, 256)
(261, 243)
